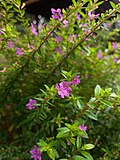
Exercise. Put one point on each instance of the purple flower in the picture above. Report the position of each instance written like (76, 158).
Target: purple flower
(76, 80)
(58, 50)
(31, 104)
(92, 16)
(58, 39)
(65, 23)
(115, 59)
(36, 153)
(114, 45)
(10, 44)
(34, 30)
(63, 88)
(19, 52)
(78, 16)
(56, 14)
(83, 127)
(99, 55)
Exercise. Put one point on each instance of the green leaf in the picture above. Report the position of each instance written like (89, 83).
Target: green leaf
(51, 153)
(113, 95)
(74, 3)
(88, 146)
(80, 104)
(91, 115)
(113, 4)
(105, 102)
(77, 157)
(41, 143)
(78, 142)
(87, 155)
(97, 91)
(83, 134)
(63, 133)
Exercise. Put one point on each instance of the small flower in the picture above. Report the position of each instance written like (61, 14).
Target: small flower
(19, 52)
(56, 14)
(36, 153)
(115, 59)
(31, 104)
(10, 44)
(83, 127)
(34, 30)
(92, 16)
(58, 50)
(99, 55)
(63, 88)
(65, 23)
(114, 45)
(78, 16)
(58, 39)
(76, 80)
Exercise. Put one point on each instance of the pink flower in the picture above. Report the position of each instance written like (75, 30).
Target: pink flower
(58, 50)
(31, 104)
(34, 30)
(36, 153)
(76, 80)
(56, 14)
(65, 23)
(83, 127)
(78, 16)
(19, 52)
(10, 44)
(58, 39)
(115, 59)
(63, 89)
(99, 55)
(114, 45)
(92, 16)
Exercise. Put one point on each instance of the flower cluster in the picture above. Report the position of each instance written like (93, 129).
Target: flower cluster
(18, 51)
(56, 14)
(64, 88)
(114, 45)
(36, 153)
(92, 16)
(31, 104)
(82, 127)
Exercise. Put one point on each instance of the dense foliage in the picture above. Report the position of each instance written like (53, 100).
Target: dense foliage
(59, 84)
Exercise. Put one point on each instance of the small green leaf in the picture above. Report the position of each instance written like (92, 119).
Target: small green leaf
(79, 104)
(87, 155)
(91, 115)
(97, 91)
(77, 157)
(63, 133)
(51, 153)
(105, 102)
(88, 146)
(83, 134)
(74, 3)
(113, 4)
(78, 142)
